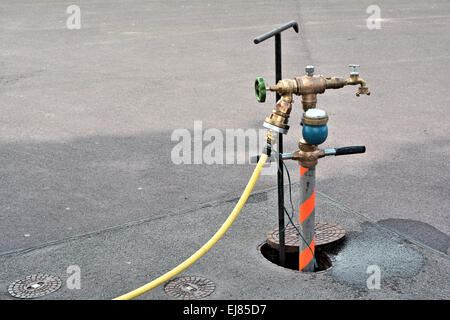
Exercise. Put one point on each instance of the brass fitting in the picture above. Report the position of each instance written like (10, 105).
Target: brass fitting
(307, 155)
(307, 86)
(355, 80)
(315, 121)
(270, 138)
(285, 88)
(279, 118)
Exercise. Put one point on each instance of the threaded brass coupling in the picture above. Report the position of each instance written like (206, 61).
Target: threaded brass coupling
(278, 120)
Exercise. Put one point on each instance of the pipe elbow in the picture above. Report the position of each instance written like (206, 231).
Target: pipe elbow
(355, 80)
(362, 82)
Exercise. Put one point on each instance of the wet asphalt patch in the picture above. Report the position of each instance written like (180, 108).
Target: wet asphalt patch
(375, 247)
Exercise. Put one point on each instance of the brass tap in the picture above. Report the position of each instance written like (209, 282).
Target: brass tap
(307, 86)
(355, 79)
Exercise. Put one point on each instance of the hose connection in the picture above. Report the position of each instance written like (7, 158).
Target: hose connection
(270, 140)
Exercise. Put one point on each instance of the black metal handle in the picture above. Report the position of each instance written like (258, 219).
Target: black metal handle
(269, 34)
(350, 150)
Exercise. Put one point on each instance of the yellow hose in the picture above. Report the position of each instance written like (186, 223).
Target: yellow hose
(200, 252)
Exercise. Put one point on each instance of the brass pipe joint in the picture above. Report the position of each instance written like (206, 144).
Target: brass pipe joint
(285, 88)
(279, 118)
(355, 80)
(307, 86)
(307, 155)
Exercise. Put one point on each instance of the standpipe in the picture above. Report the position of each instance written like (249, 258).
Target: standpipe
(314, 132)
(307, 217)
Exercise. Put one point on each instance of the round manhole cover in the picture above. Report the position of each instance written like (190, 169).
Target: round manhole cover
(189, 288)
(326, 233)
(36, 285)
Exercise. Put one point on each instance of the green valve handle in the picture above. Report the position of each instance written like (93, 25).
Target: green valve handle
(260, 89)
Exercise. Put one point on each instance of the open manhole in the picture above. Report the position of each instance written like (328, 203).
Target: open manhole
(189, 288)
(291, 258)
(35, 285)
(326, 234)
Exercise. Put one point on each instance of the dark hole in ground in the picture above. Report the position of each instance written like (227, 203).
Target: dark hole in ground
(323, 261)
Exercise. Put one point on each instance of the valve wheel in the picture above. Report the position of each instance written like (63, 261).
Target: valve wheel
(260, 89)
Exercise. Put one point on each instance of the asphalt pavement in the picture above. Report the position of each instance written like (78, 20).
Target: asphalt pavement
(87, 116)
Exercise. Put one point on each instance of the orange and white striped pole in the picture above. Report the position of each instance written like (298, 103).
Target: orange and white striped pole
(307, 210)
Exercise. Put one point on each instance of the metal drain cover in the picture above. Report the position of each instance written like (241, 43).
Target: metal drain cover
(189, 288)
(36, 285)
(326, 233)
